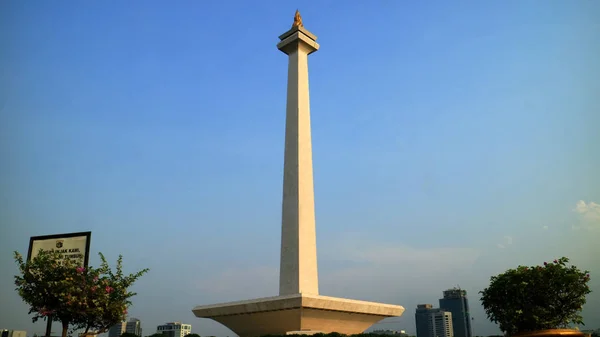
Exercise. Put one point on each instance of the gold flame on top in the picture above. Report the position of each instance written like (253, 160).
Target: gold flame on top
(297, 20)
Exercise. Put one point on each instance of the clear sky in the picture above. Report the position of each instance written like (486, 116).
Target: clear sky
(452, 140)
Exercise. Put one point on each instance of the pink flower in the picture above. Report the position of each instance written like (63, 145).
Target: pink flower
(80, 270)
(94, 288)
(108, 289)
(96, 279)
(45, 312)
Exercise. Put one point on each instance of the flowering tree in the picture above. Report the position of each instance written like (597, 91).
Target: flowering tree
(106, 297)
(536, 298)
(61, 290)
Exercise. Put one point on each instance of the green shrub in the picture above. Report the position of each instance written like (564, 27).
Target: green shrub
(536, 298)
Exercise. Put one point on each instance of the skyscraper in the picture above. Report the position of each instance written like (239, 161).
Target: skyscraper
(117, 329)
(455, 301)
(433, 322)
(422, 319)
(134, 326)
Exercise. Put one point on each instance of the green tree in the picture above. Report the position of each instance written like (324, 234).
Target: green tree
(84, 298)
(536, 298)
(158, 334)
(43, 284)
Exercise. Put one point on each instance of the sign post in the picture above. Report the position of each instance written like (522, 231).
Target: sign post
(69, 245)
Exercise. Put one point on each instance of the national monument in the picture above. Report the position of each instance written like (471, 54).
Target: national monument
(299, 308)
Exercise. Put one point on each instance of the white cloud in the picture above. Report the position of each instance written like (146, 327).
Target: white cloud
(586, 208)
(545, 227)
(235, 284)
(356, 267)
(589, 214)
(358, 248)
(508, 240)
(368, 269)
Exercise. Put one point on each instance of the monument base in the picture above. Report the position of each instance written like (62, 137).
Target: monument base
(305, 332)
(297, 313)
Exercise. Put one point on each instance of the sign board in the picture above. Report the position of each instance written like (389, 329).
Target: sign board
(70, 245)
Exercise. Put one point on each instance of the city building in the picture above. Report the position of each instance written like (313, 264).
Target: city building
(455, 301)
(117, 329)
(441, 322)
(13, 333)
(433, 322)
(174, 329)
(422, 319)
(134, 326)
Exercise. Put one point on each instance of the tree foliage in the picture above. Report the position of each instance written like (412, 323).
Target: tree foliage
(536, 298)
(128, 334)
(44, 283)
(90, 298)
(158, 334)
(336, 334)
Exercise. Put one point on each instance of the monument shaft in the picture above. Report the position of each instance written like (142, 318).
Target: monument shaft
(299, 307)
(298, 266)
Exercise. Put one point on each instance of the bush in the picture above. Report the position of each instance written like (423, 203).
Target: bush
(536, 298)
(60, 289)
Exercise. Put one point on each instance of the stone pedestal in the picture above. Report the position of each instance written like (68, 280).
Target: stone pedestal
(307, 313)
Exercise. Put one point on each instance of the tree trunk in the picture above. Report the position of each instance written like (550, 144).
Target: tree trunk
(65, 330)
(48, 325)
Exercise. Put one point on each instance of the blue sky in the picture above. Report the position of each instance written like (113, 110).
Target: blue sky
(452, 140)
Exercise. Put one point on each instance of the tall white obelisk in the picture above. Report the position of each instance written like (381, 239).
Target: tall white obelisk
(299, 308)
(298, 267)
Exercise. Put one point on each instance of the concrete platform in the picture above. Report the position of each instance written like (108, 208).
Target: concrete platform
(298, 312)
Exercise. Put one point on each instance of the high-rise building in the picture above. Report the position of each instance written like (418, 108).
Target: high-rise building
(422, 319)
(433, 322)
(441, 323)
(174, 329)
(455, 301)
(117, 329)
(134, 326)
